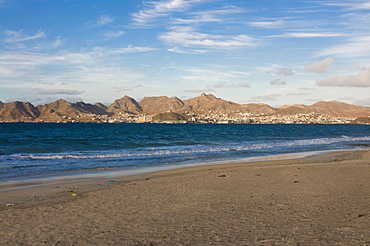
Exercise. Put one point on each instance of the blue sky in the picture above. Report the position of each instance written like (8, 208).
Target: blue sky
(262, 51)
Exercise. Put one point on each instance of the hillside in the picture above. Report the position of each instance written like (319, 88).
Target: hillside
(125, 105)
(156, 105)
(18, 111)
(61, 110)
(333, 108)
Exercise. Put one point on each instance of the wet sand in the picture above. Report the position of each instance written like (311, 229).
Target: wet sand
(317, 200)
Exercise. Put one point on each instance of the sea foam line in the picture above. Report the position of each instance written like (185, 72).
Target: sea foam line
(195, 149)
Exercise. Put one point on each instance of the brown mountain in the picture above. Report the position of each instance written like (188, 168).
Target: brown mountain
(169, 117)
(125, 105)
(340, 109)
(97, 108)
(258, 108)
(18, 111)
(333, 108)
(362, 120)
(61, 110)
(101, 106)
(155, 105)
(201, 102)
(209, 102)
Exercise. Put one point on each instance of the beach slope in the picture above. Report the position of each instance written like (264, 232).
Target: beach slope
(317, 200)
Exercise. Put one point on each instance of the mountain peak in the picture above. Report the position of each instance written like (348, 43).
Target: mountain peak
(161, 104)
(208, 96)
(125, 104)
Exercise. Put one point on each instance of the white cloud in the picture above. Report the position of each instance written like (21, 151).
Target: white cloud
(308, 35)
(19, 36)
(319, 67)
(114, 34)
(199, 19)
(207, 89)
(4, 71)
(314, 100)
(277, 82)
(361, 79)
(104, 20)
(208, 16)
(353, 5)
(94, 71)
(231, 85)
(56, 91)
(364, 102)
(265, 98)
(268, 24)
(209, 75)
(286, 72)
(161, 9)
(356, 47)
(58, 42)
(2, 3)
(297, 94)
(305, 89)
(125, 88)
(187, 37)
(130, 49)
(15, 63)
(359, 67)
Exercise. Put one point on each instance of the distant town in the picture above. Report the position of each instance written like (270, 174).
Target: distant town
(220, 118)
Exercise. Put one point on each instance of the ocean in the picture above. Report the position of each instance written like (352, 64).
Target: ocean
(31, 151)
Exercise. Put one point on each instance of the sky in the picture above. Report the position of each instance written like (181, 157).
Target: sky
(247, 51)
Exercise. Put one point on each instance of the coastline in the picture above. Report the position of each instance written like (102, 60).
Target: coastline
(320, 199)
(94, 175)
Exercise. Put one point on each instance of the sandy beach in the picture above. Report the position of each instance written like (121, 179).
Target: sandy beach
(317, 200)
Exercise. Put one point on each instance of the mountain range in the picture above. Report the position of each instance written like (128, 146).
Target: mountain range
(61, 109)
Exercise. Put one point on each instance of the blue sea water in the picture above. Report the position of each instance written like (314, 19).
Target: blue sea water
(30, 151)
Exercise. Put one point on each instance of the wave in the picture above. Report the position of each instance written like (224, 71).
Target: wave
(21, 166)
(147, 152)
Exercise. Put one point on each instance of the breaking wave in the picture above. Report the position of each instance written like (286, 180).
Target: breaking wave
(195, 149)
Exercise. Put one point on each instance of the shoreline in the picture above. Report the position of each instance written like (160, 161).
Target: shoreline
(316, 200)
(25, 192)
(93, 175)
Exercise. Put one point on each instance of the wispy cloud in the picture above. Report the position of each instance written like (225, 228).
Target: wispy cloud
(113, 34)
(57, 92)
(353, 5)
(162, 8)
(211, 75)
(104, 20)
(308, 35)
(130, 49)
(361, 79)
(285, 72)
(58, 42)
(268, 24)
(217, 15)
(125, 88)
(265, 98)
(91, 71)
(207, 89)
(319, 67)
(355, 47)
(20, 36)
(2, 3)
(197, 19)
(231, 85)
(277, 82)
(187, 37)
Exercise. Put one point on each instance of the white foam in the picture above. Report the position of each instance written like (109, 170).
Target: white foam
(194, 149)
